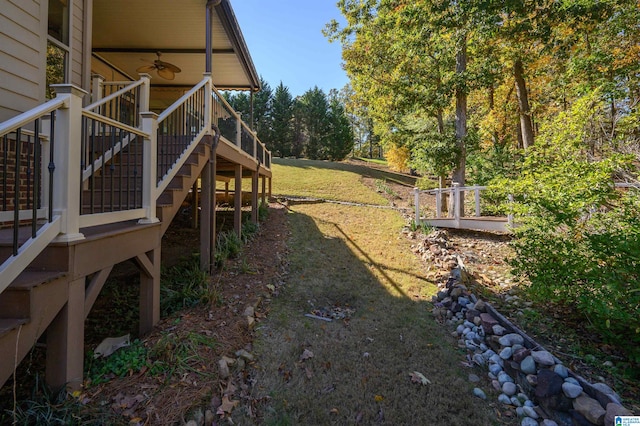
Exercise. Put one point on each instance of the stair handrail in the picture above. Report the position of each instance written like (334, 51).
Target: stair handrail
(169, 174)
(28, 251)
(114, 95)
(29, 116)
(143, 106)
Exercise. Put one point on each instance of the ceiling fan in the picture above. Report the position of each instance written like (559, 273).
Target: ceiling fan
(165, 69)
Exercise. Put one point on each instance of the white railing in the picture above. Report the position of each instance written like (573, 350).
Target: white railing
(42, 181)
(455, 213)
(76, 163)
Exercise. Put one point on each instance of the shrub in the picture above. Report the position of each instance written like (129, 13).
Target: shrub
(398, 158)
(578, 240)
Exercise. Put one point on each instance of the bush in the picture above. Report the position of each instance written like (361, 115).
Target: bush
(578, 240)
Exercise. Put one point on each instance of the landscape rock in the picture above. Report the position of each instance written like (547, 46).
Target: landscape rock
(605, 389)
(549, 384)
(613, 410)
(223, 369)
(528, 421)
(530, 412)
(590, 409)
(561, 370)
(520, 354)
(511, 339)
(509, 388)
(479, 393)
(504, 399)
(528, 365)
(543, 357)
(506, 353)
(548, 422)
(498, 330)
(570, 390)
(481, 306)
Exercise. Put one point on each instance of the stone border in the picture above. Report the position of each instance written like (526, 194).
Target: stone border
(530, 378)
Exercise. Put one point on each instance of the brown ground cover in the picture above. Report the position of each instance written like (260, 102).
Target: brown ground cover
(349, 264)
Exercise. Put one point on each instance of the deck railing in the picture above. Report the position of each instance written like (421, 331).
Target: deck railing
(28, 176)
(122, 101)
(179, 129)
(455, 212)
(102, 170)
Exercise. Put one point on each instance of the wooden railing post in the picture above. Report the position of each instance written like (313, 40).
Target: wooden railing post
(97, 82)
(208, 103)
(416, 203)
(149, 166)
(255, 145)
(477, 193)
(438, 203)
(510, 215)
(44, 164)
(456, 203)
(67, 179)
(145, 92)
(239, 130)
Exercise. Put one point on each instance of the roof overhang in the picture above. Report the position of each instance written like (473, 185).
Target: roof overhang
(126, 34)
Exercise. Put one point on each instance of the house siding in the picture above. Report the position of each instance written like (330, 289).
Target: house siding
(76, 43)
(22, 55)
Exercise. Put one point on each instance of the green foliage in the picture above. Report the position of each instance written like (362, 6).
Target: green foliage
(383, 187)
(128, 360)
(578, 239)
(263, 212)
(228, 245)
(184, 285)
(426, 182)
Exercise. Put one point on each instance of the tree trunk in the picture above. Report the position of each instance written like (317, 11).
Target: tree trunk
(491, 96)
(526, 125)
(458, 175)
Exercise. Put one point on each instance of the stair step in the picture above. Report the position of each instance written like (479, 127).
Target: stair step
(15, 301)
(8, 324)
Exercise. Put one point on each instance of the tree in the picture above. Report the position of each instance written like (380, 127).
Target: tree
(314, 108)
(340, 136)
(282, 125)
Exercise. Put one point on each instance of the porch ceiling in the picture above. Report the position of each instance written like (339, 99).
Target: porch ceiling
(128, 33)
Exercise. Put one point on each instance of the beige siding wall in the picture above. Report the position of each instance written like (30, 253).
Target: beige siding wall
(22, 55)
(76, 44)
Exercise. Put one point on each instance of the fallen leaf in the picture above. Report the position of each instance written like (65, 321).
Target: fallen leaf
(417, 377)
(227, 406)
(306, 355)
(308, 372)
(334, 411)
(378, 398)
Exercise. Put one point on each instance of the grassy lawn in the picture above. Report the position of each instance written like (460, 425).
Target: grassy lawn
(354, 370)
(329, 180)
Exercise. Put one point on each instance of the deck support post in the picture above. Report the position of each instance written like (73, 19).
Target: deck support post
(416, 205)
(456, 203)
(264, 190)
(149, 264)
(254, 195)
(237, 201)
(208, 216)
(65, 341)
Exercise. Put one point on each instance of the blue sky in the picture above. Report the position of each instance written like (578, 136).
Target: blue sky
(286, 42)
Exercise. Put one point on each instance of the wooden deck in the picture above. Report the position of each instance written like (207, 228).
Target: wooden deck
(58, 281)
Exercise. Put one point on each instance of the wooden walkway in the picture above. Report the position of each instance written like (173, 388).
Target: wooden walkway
(455, 218)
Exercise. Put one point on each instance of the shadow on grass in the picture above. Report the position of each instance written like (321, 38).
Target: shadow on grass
(363, 170)
(359, 371)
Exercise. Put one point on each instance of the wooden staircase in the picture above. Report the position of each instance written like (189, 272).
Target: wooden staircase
(34, 300)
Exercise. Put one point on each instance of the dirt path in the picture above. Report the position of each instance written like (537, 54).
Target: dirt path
(351, 265)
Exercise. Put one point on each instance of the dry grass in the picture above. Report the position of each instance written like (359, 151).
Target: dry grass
(354, 258)
(329, 180)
